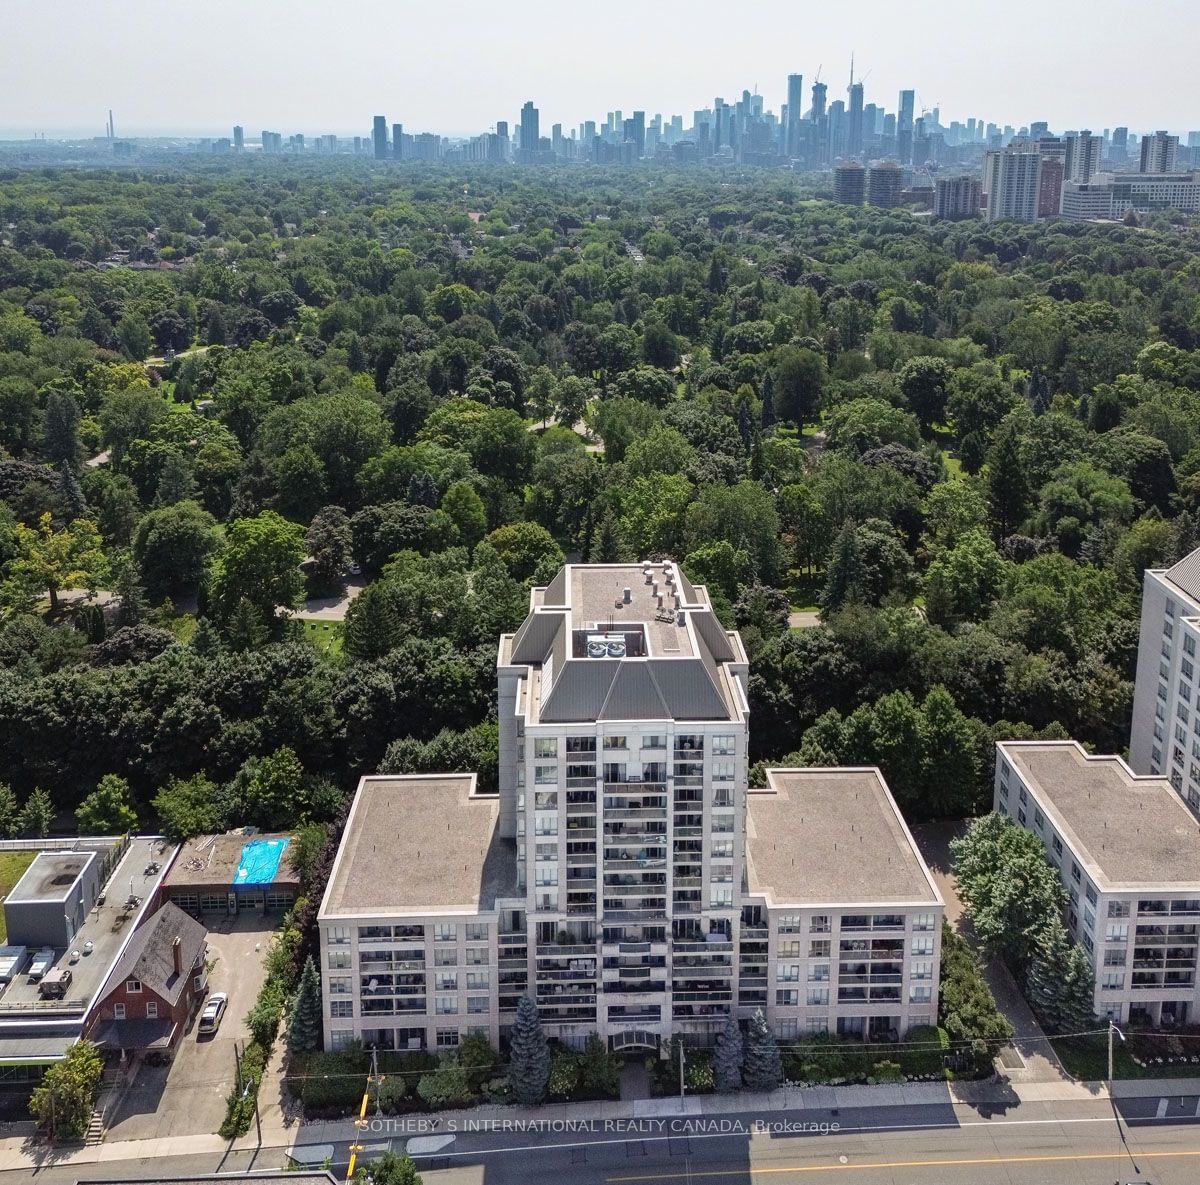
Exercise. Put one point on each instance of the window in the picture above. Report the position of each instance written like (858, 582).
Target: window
(1114, 958)
(920, 994)
(445, 958)
(447, 1038)
(651, 741)
(133, 986)
(338, 935)
(477, 1004)
(477, 956)
(1056, 844)
(446, 981)
(789, 923)
(724, 746)
(545, 747)
(1039, 820)
(615, 742)
(477, 981)
(1021, 816)
(339, 960)
(339, 985)
(818, 948)
(818, 996)
(721, 895)
(341, 1009)
(788, 973)
(818, 973)
(1118, 909)
(1090, 893)
(445, 932)
(477, 931)
(1116, 932)
(118, 1012)
(788, 1029)
(1113, 981)
(921, 969)
(545, 774)
(922, 946)
(445, 1005)
(922, 921)
(722, 771)
(788, 997)
(1075, 873)
(814, 1026)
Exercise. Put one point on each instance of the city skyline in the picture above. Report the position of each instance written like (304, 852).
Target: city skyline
(520, 53)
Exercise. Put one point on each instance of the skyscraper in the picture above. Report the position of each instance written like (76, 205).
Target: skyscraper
(1159, 153)
(639, 134)
(1083, 157)
(795, 108)
(529, 133)
(397, 141)
(904, 128)
(957, 197)
(854, 118)
(819, 91)
(849, 183)
(239, 138)
(1010, 180)
(379, 137)
(884, 183)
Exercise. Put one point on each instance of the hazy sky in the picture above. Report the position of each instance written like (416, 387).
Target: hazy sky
(456, 66)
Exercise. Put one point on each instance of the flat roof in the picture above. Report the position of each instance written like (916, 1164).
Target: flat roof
(832, 836)
(51, 876)
(597, 598)
(420, 844)
(214, 860)
(27, 1022)
(1129, 829)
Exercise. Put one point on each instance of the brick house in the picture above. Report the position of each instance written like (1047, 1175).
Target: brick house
(155, 985)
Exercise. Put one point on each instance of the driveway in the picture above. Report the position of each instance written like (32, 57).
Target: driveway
(188, 1096)
(1030, 1057)
(332, 608)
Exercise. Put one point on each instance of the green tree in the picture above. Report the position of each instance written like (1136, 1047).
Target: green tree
(269, 790)
(62, 1103)
(60, 439)
(1011, 890)
(844, 577)
(9, 814)
(799, 378)
(50, 560)
(392, 1169)
(135, 337)
(963, 580)
(36, 815)
(762, 1068)
(529, 1056)
(924, 382)
(261, 564)
(727, 1058)
(108, 810)
(189, 806)
(304, 1016)
(524, 548)
(467, 512)
(176, 480)
(172, 547)
(328, 540)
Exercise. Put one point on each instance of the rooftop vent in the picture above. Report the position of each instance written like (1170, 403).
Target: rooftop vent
(627, 596)
(606, 646)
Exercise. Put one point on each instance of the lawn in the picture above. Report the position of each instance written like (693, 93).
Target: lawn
(12, 865)
(1086, 1058)
(326, 636)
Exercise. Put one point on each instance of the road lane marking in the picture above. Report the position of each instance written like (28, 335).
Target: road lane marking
(1145, 1120)
(965, 1162)
(1163, 1104)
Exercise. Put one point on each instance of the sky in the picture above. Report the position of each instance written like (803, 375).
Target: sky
(457, 66)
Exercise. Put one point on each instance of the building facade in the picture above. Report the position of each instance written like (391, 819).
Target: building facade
(623, 875)
(1011, 181)
(1126, 851)
(957, 197)
(1164, 739)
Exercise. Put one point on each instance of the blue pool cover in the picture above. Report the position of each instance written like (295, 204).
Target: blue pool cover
(259, 862)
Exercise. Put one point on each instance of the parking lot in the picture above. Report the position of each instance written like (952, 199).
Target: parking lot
(188, 1096)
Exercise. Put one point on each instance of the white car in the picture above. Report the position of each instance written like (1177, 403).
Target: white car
(214, 1009)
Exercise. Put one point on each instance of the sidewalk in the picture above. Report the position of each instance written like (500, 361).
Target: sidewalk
(988, 1097)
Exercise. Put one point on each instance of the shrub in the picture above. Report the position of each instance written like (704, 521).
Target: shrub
(925, 1048)
(564, 1075)
(887, 1072)
(448, 1086)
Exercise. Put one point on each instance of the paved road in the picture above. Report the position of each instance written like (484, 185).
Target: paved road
(1079, 1143)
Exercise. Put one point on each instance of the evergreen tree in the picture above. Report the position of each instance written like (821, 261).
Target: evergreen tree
(844, 575)
(216, 333)
(245, 629)
(71, 491)
(175, 481)
(131, 596)
(1007, 488)
(36, 815)
(768, 402)
(422, 490)
(1043, 980)
(60, 436)
(762, 1067)
(1077, 998)
(606, 544)
(9, 815)
(727, 1058)
(529, 1056)
(304, 1019)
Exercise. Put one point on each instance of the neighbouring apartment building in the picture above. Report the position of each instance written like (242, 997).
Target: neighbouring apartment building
(1165, 736)
(1128, 852)
(624, 875)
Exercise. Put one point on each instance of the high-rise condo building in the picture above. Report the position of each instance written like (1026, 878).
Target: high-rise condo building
(397, 141)
(1010, 183)
(1050, 187)
(1159, 153)
(1165, 735)
(530, 133)
(239, 138)
(379, 137)
(795, 111)
(904, 127)
(957, 197)
(884, 183)
(624, 875)
(1083, 157)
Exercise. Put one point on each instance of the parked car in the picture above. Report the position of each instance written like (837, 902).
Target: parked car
(214, 1009)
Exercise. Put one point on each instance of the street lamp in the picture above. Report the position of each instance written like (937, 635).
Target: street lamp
(1112, 1028)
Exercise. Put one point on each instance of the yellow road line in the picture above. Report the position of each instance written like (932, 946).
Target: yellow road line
(895, 1164)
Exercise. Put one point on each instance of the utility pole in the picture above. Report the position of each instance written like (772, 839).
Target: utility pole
(682, 1059)
(1112, 1028)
